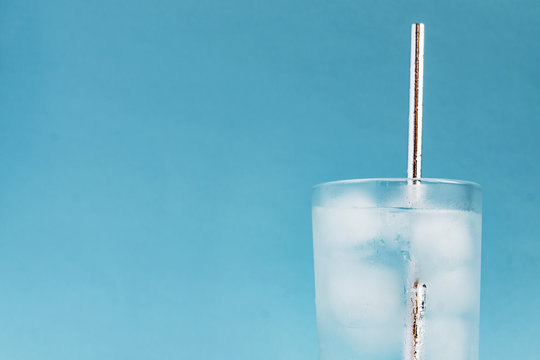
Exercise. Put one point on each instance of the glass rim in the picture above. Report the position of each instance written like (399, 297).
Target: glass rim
(397, 180)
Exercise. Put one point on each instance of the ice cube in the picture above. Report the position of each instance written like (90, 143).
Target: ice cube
(441, 239)
(345, 227)
(395, 226)
(447, 338)
(453, 292)
(380, 340)
(362, 295)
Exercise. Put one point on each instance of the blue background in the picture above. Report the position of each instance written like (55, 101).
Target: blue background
(157, 159)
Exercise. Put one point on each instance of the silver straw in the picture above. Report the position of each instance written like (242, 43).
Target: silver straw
(418, 303)
(414, 169)
(418, 289)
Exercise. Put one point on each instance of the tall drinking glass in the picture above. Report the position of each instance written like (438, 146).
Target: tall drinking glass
(397, 269)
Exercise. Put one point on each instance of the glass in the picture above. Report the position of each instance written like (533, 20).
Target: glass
(381, 247)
